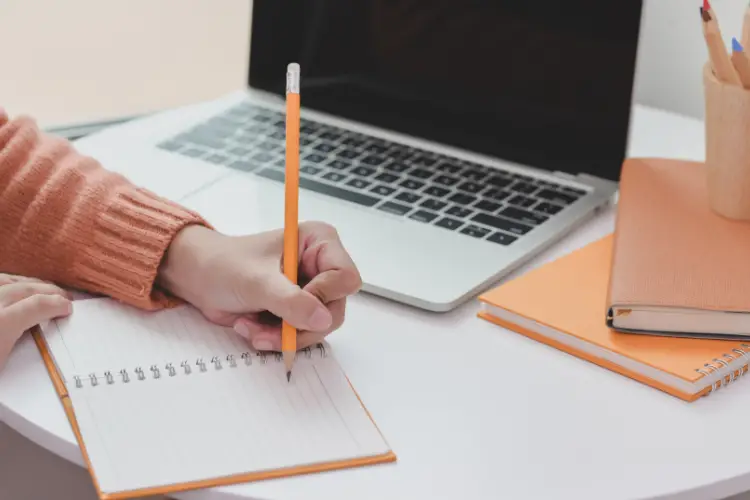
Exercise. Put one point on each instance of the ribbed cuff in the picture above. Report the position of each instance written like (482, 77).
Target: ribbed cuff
(130, 240)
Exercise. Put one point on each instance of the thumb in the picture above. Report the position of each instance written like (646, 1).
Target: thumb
(299, 308)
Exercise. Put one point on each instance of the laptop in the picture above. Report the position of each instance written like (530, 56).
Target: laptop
(447, 141)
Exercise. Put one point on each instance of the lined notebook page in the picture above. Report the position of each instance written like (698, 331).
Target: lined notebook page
(206, 424)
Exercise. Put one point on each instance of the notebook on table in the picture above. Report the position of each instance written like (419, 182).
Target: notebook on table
(564, 304)
(165, 401)
(678, 268)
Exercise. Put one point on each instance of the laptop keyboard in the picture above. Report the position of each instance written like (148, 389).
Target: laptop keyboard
(447, 192)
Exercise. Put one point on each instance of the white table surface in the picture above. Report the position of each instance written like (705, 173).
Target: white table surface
(475, 411)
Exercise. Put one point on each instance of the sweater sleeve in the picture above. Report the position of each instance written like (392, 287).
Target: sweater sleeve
(66, 219)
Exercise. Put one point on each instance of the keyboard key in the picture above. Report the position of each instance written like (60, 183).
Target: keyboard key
(171, 145)
(448, 223)
(310, 170)
(353, 141)
(471, 187)
(334, 176)
(339, 164)
(524, 178)
(243, 165)
(394, 208)
(463, 199)
(475, 231)
(557, 197)
(278, 135)
(424, 161)
(448, 168)
(322, 188)
(387, 178)
(412, 184)
(436, 191)
(220, 159)
(523, 215)
(420, 173)
(496, 194)
(474, 175)
(269, 146)
(375, 148)
(304, 141)
(383, 190)
(280, 163)
(523, 187)
(408, 197)
(500, 223)
(500, 181)
(502, 238)
(324, 147)
(433, 204)
(358, 183)
(547, 208)
(488, 206)
(206, 141)
(458, 211)
(396, 167)
(445, 180)
(373, 160)
(363, 171)
(315, 158)
(193, 153)
(240, 151)
(330, 135)
(423, 216)
(522, 201)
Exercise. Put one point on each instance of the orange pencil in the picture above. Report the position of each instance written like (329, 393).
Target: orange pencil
(291, 207)
(717, 52)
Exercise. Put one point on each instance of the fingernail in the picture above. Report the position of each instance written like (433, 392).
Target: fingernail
(242, 329)
(262, 345)
(320, 319)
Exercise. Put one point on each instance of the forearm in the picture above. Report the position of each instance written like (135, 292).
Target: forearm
(65, 219)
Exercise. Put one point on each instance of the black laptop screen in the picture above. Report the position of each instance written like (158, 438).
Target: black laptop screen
(543, 83)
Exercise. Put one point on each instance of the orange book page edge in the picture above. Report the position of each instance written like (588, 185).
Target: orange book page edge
(597, 361)
(195, 485)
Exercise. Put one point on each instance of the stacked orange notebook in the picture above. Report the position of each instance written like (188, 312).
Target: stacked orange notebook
(565, 303)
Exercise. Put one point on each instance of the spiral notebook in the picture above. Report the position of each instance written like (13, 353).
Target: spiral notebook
(165, 401)
(564, 304)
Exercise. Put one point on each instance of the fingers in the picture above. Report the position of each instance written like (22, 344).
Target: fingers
(265, 337)
(31, 311)
(17, 291)
(332, 272)
(7, 279)
(298, 307)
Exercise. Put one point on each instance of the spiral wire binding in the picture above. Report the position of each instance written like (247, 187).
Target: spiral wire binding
(170, 370)
(718, 364)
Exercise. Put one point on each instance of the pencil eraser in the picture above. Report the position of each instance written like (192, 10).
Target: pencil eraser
(736, 46)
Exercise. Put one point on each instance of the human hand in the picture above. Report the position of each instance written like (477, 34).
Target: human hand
(238, 282)
(24, 303)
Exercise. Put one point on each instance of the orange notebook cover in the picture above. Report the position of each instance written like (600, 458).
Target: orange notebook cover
(678, 268)
(166, 402)
(563, 304)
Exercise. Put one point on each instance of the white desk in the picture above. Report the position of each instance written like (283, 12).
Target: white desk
(474, 411)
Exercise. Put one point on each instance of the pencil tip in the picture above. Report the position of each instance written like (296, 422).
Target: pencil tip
(706, 5)
(288, 376)
(736, 46)
(705, 15)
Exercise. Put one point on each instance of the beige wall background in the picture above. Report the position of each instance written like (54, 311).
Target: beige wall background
(66, 61)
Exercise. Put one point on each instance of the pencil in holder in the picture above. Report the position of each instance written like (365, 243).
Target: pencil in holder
(727, 129)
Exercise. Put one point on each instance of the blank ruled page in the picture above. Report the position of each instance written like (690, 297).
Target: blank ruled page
(236, 416)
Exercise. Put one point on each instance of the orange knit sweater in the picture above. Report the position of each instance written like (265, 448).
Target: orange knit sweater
(65, 219)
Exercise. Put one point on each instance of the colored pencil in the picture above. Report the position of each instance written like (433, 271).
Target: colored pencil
(741, 63)
(720, 60)
(291, 205)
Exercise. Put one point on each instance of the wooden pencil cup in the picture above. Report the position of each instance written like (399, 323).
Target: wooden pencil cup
(727, 147)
